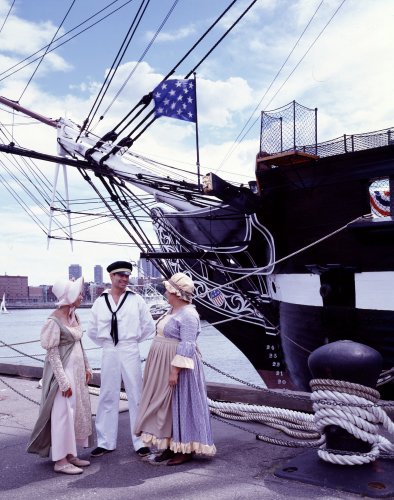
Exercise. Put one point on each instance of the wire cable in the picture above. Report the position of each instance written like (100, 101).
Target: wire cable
(281, 87)
(44, 54)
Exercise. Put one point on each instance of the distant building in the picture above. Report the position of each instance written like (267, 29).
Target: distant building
(98, 275)
(36, 294)
(147, 270)
(15, 288)
(48, 296)
(74, 271)
(95, 290)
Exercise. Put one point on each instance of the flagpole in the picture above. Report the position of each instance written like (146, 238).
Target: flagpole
(197, 144)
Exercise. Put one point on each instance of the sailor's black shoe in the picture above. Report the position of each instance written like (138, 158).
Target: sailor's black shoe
(98, 452)
(143, 452)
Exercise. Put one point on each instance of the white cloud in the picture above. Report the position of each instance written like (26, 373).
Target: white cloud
(173, 36)
(347, 74)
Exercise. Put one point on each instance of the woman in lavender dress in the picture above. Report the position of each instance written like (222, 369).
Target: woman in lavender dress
(173, 413)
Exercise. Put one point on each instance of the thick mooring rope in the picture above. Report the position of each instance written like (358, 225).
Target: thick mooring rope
(295, 424)
(354, 408)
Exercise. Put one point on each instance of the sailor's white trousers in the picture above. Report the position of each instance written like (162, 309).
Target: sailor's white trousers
(120, 362)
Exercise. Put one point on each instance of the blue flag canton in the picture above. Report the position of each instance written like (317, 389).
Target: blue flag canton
(176, 99)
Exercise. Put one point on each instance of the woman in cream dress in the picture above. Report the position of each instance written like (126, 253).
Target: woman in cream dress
(65, 419)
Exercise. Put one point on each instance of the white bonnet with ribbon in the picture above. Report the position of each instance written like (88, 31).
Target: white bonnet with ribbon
(67, 291)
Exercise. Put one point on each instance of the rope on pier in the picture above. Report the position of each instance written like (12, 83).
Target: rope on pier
(354, 408)
(295, 424)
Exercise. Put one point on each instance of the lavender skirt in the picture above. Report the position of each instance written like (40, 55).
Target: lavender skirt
(176, 418)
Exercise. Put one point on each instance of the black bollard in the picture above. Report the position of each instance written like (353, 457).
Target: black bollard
(351, 362)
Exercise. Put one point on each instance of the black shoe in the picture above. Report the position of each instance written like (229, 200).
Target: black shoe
(163, 457)
(98, 452)
(143, 452)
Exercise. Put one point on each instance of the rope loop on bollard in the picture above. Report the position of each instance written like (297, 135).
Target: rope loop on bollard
(354, 408)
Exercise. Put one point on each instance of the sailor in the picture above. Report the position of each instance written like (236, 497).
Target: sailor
(119, 320)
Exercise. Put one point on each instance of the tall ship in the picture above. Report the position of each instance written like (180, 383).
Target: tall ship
(298, 257)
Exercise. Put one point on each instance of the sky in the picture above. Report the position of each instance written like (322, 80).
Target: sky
(333, 55)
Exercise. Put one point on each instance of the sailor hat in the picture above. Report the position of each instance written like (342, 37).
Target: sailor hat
(67, 291)
(120, 266)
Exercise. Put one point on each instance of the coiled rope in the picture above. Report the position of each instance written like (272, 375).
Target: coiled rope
(354, 408)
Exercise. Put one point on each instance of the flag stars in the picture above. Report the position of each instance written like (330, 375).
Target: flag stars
(175, 99)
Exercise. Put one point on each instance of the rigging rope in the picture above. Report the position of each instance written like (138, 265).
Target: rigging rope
(52, 49)
(138, 63)
(239, 139)
(115, 65)
(147, 99)
(47, 49)
(128, 137)
(6, 17)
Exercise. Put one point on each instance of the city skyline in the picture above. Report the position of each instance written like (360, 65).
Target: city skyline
(142, 268)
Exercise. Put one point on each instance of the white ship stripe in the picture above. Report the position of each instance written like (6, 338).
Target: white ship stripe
(374, 290)
(303, 289)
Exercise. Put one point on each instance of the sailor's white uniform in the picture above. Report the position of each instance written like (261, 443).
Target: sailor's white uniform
(119, 362)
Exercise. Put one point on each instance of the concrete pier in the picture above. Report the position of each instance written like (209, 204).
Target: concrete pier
(243, 468)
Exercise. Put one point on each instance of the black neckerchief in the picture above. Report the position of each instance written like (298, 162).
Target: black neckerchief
(114, 319)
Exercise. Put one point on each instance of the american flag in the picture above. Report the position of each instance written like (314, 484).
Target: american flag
(176, 99)
(217, 297)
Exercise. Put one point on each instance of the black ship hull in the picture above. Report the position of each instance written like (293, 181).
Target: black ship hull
(336, 261)
(305, 328)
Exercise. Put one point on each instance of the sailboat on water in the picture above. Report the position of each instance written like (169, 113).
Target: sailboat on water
(3, 309)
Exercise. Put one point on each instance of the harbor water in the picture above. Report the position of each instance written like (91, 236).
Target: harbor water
(22, 328)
